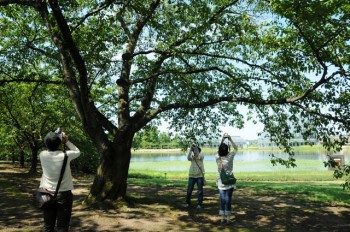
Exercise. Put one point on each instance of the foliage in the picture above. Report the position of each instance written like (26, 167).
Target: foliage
(27, 114)
(131, 64)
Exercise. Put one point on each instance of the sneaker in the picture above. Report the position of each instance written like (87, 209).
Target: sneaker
(186, 205)
(199, 207)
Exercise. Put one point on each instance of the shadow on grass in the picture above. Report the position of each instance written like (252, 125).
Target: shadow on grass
(268, 206)
(260, 207)
(16, 202)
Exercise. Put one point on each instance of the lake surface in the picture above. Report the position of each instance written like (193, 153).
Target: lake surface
(244, 161)
(245, 156)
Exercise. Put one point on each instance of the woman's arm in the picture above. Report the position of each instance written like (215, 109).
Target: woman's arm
(234, 145)
(189, 156)
(71, 146)
(73, 152)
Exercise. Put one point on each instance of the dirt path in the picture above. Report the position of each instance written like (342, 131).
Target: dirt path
(160, 208)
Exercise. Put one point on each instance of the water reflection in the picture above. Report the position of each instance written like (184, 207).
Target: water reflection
(246, 156)
(247, 161)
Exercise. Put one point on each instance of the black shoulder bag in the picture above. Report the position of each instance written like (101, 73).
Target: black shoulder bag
(44, 199)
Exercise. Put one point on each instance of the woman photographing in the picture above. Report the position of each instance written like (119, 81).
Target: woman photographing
(224, 160)
(52, 161)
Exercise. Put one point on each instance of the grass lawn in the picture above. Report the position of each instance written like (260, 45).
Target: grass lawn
(305, 181)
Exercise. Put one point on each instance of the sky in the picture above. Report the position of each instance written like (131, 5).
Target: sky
(249, 132)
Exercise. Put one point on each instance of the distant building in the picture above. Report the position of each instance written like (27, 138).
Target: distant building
(264, 141)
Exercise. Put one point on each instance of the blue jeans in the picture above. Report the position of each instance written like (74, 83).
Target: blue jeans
(225, 201)
(60, 212)
(191, 182)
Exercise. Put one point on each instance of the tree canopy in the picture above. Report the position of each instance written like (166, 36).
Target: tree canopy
(127, 64)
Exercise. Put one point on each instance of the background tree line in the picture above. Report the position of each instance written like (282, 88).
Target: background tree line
(151, 137)
(28, 111)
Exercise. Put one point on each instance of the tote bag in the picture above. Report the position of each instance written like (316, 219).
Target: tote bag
(225, 178)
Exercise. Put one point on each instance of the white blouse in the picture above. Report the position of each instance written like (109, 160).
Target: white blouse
(51, 163)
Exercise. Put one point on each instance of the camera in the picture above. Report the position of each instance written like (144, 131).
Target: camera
(58, 131)
(226, 136)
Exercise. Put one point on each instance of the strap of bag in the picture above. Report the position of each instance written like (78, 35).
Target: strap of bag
(221, 166)
(61, 174)
(198, 166)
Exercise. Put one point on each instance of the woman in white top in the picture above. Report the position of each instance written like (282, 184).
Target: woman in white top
(225, 191)
(195, 176)
(51, 162)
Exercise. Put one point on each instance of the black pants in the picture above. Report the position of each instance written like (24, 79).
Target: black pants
(60, 212)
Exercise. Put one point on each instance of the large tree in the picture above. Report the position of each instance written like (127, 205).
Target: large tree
(129, 63)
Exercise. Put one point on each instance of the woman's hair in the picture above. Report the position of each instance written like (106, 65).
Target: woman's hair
(52, 141)
(195, 146)
(223, 149)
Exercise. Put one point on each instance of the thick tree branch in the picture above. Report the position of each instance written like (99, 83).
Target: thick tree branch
(106, 123)
(20, 2)
(220, 10)
(323, 80)
(103, 6)
(197, 53)
(123, 103)
(20, 80)
(149, 91)
(121, 20)
(42, 51)
(70, 45)
(328, 116)
(140, 25)
(331, 38)
(152, 79)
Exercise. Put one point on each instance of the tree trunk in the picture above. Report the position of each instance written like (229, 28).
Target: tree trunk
(110, 182)
(21, 159)
(34, 162)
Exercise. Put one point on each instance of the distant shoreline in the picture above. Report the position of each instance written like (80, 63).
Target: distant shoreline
(175, 150)
(178, 150)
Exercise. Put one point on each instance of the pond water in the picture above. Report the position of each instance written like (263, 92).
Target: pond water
(241, 156)
(244, 161)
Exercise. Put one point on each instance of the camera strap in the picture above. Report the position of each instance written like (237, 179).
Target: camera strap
(61, 174)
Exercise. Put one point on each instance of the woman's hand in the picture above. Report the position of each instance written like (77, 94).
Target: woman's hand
(64, 137)
(226, 135)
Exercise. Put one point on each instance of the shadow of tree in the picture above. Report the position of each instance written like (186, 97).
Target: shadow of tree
(161, 208)
(16, 206)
